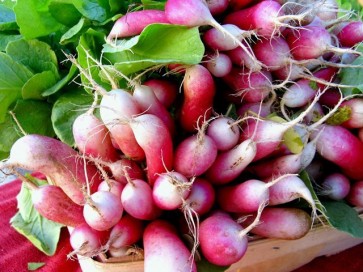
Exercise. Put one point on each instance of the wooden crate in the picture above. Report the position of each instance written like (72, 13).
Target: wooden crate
(261, 255)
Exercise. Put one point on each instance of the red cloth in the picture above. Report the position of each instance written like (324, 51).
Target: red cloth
(16, 251)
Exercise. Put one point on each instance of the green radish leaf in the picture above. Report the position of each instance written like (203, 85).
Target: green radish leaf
(9, 133)
(340, 116)
(36, 55)
(344, 218)
(8, 3)
(204, 266)
(5, 39)
(61, 83)
(7, 19)
(41, 232)
(37, 84)
(97, 10)
(152, 4)
(74, 32)
(36, 12)
(64, 12)
(35, 266)
(13, 76)
(159, 44)
(66, 109)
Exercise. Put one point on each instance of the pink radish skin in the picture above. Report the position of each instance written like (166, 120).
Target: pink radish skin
(58, 161)
(224, 132)
(137, 200)
(231, 163)
(335, 186)
(199, 91)
(164, 250)
(355, 105)
(202, 196)
(262, 109)
(262, 17)
(92, 138)
(126, 232)
(218, 64)
(249, 86)
(165, 90)
(240, 58)
(103, 210)
(217, 7)
(52, 203)
(241, 4)
(133, 23)
(119, 169)
(360, 134)
(350, 34)
(336, 144)
(355, 196)
(195, 154)
(281, 223)
(154, 137)
(170, 190)
(116, 108)
(112, 186)
(149, 103)
(330, 97)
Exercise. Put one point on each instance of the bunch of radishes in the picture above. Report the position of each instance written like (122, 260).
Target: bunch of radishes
(166, 159)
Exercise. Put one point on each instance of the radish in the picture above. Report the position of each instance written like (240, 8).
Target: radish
(170, 190)
(195, 13)
(340, 146)
(231, 163)
(164, 250)
(224, 132)
(360, 134)
(240, 58)
(165, 90)
(115, 108)
(218, 64)
(102, 210)
(149, 103)
(199, 92)
(354, 107)
(262, 108)
(217, 7)
(154, 137)
(137, 200)
(132, 23)
(240, 4)
(281, 223)
(355, 196)
(335, 186)
(112, 186)
(195, 154)
(58, 161)
(349, 33)
(86, 241)
(222, 240)
(126, 232)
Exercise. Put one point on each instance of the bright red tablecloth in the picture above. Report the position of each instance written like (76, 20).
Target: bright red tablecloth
(16, 251)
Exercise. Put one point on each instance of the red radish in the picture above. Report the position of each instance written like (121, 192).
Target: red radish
(311, 42)
(126, 232)
(244, 197)
(170, 190)
(355, 108)
(281, 223)
(149, 103)
(202, 196)
(112, 186)
(86, 241)
(137, 200)
(194, 13)
(240, 58)
(92, 137)
(230, 164)
(155, 139)
(58, 161)
(349, 33)
(360, 134)
(199, 92)
(132, 23)
(222, 240)
(285, 164)
(355, 196)
(289, 188)
(224, 132)
(165, 90)
(330, 97)
(217, 7)
(240, 4)
(335, 186)
(116, 107)
(250, 86)
(195, 154)
(262, 108)
(102, 210)
(340, 146)
(164, 250)
(52, 203)
(218, 64)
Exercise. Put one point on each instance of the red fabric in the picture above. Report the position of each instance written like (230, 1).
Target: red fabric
(16, 251)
